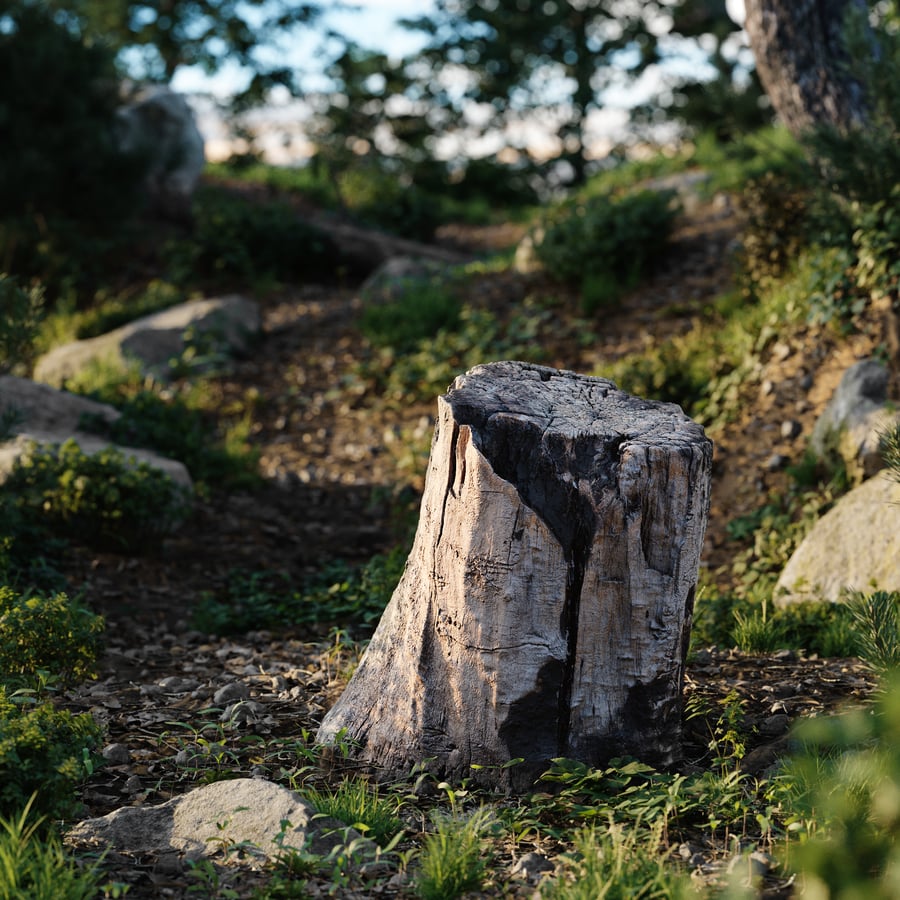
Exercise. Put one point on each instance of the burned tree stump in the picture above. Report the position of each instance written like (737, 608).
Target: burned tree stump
(545, 609)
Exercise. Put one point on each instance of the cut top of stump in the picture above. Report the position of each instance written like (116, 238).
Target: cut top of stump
(557, 435)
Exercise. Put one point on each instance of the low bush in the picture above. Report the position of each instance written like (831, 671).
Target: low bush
(51, 633)
(236, 240)
(19, 323)
(418, 313)
(339, 594)
(102, 500)
(605, 244)
(45, 752)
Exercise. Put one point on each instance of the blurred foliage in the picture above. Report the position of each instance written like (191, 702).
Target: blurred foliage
(606, 244)
(19, 322)
(104, 500)
(65, 188)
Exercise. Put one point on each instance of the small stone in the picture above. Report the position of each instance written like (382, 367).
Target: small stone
(790, 429)
(133, 785)
(116, 754)
(237, 690)
(242, 711)
(530, 867)
(773, 726)
(766, 388)
(781, 351)
(776, 461)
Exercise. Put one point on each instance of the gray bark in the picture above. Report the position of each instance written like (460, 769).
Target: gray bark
(545, 608)
(801, 60)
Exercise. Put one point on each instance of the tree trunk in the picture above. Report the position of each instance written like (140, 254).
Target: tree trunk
(801, 60)
(546, 604)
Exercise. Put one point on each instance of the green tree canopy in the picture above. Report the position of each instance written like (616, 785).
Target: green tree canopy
(518, 56)
(155, 38)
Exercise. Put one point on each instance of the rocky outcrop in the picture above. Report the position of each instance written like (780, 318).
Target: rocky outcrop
(213, 326)
(159, 125)
(261, 817)
(855, 546)
(46, 416)
(854, 420)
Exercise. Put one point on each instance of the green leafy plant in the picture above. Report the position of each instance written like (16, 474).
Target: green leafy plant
(19, 323)
(452, 860)
(340, 593)
(44, 752)
(52, 633)
(33, 863)
(172, 426)
(102, 499)
(237, 240)
(419, 312)
(605, 243)
(842, 788)
(360, 804)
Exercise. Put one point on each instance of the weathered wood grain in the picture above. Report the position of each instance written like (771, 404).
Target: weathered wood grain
(545, 608)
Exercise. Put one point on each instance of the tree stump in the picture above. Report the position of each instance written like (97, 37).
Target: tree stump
(545, 608)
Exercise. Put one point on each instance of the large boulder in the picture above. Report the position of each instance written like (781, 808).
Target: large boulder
(221, 324)
(39, 413)
(855, 418)
(262, 817)
(159, 124)
(854, 546)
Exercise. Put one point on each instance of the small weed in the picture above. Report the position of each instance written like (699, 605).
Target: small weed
(358, 803)
(618, 863)
(876, 617)
(452, 860)
(33, 863)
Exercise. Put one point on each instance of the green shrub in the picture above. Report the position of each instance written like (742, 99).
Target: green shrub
(170, 426)
(100, 500)
(419, 312)
(45, 752)
(876, 619)
(876, 242)
(266, 599)
(614, 238)
(56, 634)
(235, 239)
(34, 865)
(775, 228)
(18, 323)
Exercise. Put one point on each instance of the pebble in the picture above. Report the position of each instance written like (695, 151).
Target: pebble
(133, 785)
(776, 461)
(116, 754)
(790, 429)
(776, 725)
(237, 690)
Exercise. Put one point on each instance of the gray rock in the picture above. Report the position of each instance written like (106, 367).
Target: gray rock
(228, 323)
(855, 418)
(397, 275)
(47, 416)
(853, 546)
(236, 690)
(224, 813)
(159, 124)
(116, 754)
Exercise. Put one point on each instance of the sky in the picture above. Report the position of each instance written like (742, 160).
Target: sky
(372, 24)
